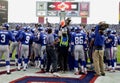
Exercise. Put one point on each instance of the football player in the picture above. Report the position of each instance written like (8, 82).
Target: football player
(5, 37)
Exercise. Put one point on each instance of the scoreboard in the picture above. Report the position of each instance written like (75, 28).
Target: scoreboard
(71, 9)
(62, 10)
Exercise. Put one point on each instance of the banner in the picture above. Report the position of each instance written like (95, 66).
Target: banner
(59, 6)
(83, 20)
(72, 13)
(67, 6)
(84, 9)
(41, 20)
(52, 13)
(41, 8)
(3, 11)
(55, 8)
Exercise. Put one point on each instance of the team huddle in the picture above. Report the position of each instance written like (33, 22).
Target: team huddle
(51, 49)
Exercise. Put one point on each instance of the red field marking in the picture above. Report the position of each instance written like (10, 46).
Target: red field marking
(83, 76)
(4, 72)
(46, 82)
(93, 79)
(14, 81)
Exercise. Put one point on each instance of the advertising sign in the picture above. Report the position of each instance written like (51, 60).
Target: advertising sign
(41, 8)
(52, 13)
(72, 13)
(41, 20)
(84, 20)
(55, 8)
(59, 6)
(3, 11)
(84, 9)
(41, 13)
(62, 6)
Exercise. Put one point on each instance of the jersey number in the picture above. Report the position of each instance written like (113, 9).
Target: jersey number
(27, 39)
(115, 41)
(44, 40)
(79, 40)
(3, 38)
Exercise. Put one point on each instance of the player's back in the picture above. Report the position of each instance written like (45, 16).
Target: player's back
(109, 41)
(26, 37)
(115, 41)
(5, 36)
(79, 38)
(43, 38)
(14, 32)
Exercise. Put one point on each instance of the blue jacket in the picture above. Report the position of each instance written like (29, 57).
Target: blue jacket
(99, 38)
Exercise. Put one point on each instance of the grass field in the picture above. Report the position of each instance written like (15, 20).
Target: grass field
(118, 54)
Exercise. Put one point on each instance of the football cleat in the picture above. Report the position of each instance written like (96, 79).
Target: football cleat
(8, 73)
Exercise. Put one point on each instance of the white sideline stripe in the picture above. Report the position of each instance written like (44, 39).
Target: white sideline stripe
(4, 68)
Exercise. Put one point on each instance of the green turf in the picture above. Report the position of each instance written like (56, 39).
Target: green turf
(118, 54)
(13, 56)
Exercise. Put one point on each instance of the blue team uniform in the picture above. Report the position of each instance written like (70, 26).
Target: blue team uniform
(107, 43)
(5, 36)
(43, 39)
(79, 38)
(18, 34)
(14, 45)
(71, 57)
(91, 36)
(26, 37)
(43, 43)
(109, 50)
(14, 32)
(78, 41)
(115, 41)
(115, 44)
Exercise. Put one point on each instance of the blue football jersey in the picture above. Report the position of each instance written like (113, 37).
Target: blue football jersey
(115, 41)
(26, 37)
(91, 36)
(14, 32)
(18, 34)
(109, 41)
(79, 38)
(5, 37)
(43, 39)
(55, 36)
(71, 35)
(118, 40)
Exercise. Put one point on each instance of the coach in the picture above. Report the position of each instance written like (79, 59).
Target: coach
(51, 56)
(99, 52)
